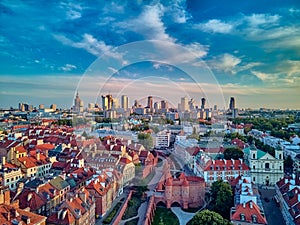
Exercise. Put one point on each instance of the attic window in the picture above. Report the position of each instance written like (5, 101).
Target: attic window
(254, 218)
(243, 218)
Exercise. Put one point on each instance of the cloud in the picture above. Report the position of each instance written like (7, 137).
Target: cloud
(73, 11)
(149, 23)
(225, 63)
(215, 26)
(262, 76)
(91, 45)
(68, 67)
(256, 20)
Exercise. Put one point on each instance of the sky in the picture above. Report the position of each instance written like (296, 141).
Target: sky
(215, 49)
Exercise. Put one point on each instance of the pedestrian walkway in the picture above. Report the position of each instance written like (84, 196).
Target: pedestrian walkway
(183, 217)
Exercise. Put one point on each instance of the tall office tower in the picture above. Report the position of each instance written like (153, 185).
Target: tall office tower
(192, 104)
(104, 102)
(77, 103)
(124, 102)
(232, 103)
(150, 102)
(215, 107)
(110, 101)
(115, 103)
(203, 100)
(164, 104)
(184, 104)
(156, 106)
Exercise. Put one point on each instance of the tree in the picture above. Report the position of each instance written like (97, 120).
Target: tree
(233, 153)
(146, 140)
(207, 217)
(221, 198)
(288, 162)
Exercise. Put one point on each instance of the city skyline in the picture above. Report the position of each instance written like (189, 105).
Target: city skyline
(250, 50)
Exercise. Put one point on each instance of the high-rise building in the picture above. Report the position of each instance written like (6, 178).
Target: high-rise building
(115, 103)
(164, 104)
(150, 102)
(184, 104)
(124, 102)
(110, 101)
(78, 104)
(192, 104)
(156, 106)
(104, 102)
(203, 100)
(232, 103)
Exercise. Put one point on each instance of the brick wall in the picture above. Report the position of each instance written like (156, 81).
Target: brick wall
(122, 210)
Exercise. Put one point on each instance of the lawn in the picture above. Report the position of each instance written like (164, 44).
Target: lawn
(133, 206)
(166, 216)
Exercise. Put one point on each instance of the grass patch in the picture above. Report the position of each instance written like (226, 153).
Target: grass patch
(166, 216)
(133, 205)
(132, 222)
(112, 214)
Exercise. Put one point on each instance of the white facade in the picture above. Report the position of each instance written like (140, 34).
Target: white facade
(265, 169)
(162, 139)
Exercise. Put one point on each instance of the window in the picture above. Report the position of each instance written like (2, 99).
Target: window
(7, 180)
(253, 178)
(243, 218)
(253, 156)
(253, 167)
(254, 218)
(279, 156)
(267, 166)
(280, 168)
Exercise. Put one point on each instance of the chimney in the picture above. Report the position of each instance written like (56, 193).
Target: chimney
(29, 197)
(251, 205)
(3, 160)
(244, 205)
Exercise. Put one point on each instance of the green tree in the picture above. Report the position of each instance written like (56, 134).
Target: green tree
(233, 153)
(221, 198)
(288, 162)
(146, 140)
(207, 217)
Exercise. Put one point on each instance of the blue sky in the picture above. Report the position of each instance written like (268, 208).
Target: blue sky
(251, 48)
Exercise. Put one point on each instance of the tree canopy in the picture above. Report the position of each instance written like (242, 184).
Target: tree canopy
(221, 198)
(207, 217)
(233, 153)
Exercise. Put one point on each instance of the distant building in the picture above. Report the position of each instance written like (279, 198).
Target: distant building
(162, 139)
(150, 102)
(203, 100)
(124, 102)
(232, 103)
(78, 104)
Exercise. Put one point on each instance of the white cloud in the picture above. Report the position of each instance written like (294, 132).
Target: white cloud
(262, 19)
(68, 67)
(92, 45)
(73, 11)
(262, 76)
(225, 63)
(149, 23)
(215, 26)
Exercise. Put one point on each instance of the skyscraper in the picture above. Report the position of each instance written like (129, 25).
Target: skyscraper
(150, 102)
(184, 104)
(104, 102)
(164, 104)
(124, 102)
(77, 103)
(232, 103)
(203, 100)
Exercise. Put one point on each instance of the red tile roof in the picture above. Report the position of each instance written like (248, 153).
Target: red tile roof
(249, 213)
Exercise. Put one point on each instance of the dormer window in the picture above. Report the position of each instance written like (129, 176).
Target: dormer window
(243, 218)
(254, 218)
